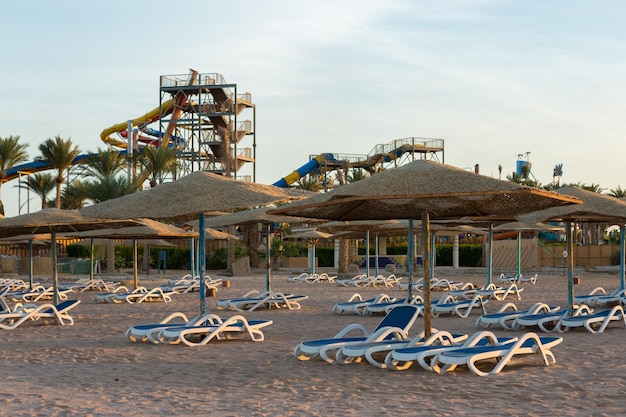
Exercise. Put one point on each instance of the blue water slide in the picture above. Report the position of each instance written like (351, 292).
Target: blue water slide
(305, 169)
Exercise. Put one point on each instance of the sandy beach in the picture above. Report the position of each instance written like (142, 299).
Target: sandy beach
(91, 369)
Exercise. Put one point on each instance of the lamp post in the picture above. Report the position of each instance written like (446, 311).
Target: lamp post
(19, 193)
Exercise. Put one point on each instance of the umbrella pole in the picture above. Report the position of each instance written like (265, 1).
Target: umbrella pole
(570, 267)
(192, 248)
(313, 243)
(367, 253)
(135, 266)
(622, 272)
(376, 254)
(202, 262)
(519, 255)
(489, 253)
(267, 257)
(432, 254)
(30, 264)
(426, 257)
(55, 275)
(410, 258)
(91, 258)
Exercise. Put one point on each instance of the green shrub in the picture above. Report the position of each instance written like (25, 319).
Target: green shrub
(78, 251)
(325, 257)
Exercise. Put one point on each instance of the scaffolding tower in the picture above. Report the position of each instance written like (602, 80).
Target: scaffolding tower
(205, 119)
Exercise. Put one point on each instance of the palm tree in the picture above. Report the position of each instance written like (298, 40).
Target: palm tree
(11, 153)
(105, 163)
(311, 183)
(41, 184)
(105, 167)
(617, 192)
(157, 163)
(108, 188)
(357, 174)
(74, 195)
(59, 153)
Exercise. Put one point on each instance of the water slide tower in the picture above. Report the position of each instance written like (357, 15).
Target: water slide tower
(208, 124)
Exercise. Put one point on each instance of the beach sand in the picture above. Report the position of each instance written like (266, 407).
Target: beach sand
(91, 369)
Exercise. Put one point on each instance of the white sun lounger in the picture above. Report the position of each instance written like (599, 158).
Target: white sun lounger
(505, 316)
(394, 325)
(403, 358)
(595, 322)
(235, 327)
(473, 357)
(47, 313)
(356, 352)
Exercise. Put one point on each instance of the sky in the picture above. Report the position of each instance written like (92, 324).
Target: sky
(493, 78)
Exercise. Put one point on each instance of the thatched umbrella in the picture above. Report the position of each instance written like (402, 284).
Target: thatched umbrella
(30, 240)
(254, 216)
(425, 189)
(595, 208)
(55, 221)
(191, 197)
(312, 236)
(149, 229)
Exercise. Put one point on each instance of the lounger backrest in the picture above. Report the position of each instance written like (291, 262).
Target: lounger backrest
(64, 305)
(401, 316)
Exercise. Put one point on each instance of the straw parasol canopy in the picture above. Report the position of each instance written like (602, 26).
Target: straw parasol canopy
(525, 227)
(311, 235)
(150, 242)
(147, 230)
(37, 237)
(425, 189)
(595, 208)
(442, 191)
(186, 198)
(55, 221)
(258, 215)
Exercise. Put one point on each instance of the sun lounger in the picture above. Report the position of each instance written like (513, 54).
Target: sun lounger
(395, 325)
(528, 278)
(604, 300)
(506, 279)
(236, 327)
(500, 293)
(268, 299)
(475, 357)
(356, 304)
(360, 280)
(546, 322)
(47, 313)
(152, 295)
(385, 307)
(38, 293)
(403, 358)
(142, 332)
(356, 352)
(461, 308)
(89, 285)
(598, 291)
(595, 322)
(505, 316)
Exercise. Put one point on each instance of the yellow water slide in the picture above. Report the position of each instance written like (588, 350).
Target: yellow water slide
(147, 118)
